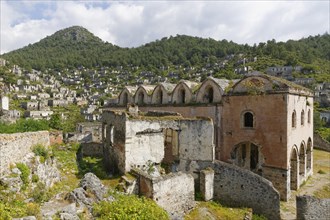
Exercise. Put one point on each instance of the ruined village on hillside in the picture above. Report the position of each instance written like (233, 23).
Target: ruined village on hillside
(243, 143)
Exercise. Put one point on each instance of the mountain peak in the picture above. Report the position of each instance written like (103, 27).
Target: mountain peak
(75, 33)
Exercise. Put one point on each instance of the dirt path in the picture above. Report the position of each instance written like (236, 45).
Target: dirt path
(313, 184)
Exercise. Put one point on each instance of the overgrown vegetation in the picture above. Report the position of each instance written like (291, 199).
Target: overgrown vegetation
(71, 113)
(319, 125)
(214, 210)
(129, 207)
(94, 165)
(25, 173)
(41, 151)
(24, 125)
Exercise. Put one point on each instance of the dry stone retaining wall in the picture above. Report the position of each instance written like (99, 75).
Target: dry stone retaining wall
(13, 147)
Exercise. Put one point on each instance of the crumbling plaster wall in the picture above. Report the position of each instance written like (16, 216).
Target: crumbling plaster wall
(237, 187)
(144, 142)
(13, 147)
(196, 140)
(213, 111)
(173, 192)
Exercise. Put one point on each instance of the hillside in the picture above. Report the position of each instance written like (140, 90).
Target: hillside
(75, 46)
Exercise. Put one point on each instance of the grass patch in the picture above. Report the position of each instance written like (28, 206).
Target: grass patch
(321, 161)
(213, 210)
(94, 165)
(323, 193)
(129, 207)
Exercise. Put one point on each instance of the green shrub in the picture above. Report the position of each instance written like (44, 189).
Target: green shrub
(25, 172)
(15, 209)
(129, 207)
(40, 150)
(24, 125)
(39, 193)
(35, 178)
(32, 209)
(4, 213)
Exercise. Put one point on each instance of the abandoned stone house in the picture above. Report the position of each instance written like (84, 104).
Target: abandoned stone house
(260, 123)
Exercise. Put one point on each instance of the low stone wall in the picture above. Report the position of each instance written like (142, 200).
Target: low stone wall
(13, 147)
(173, 192)
(309, 207)
(234, 186)
(320, 143)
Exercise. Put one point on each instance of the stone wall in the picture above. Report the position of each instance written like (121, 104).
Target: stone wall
(207, 184)
(55, 137)
(320, 143)
(13, 147)
(234, 186)
(309, 207)
(91, 149)
(173, 192)
(280, 179)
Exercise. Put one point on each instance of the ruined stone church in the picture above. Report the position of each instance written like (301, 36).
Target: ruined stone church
(260, 123)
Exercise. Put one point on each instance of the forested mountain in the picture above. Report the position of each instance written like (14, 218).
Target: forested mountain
(76, 46)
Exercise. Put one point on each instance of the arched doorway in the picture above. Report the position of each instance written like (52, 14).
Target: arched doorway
(294, 168)
(302, 162)
(309, 155)
(249, 156)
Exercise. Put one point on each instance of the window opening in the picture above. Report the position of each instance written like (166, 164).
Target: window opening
(248, 120)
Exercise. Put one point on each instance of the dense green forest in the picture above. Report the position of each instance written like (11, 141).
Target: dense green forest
(76, 46)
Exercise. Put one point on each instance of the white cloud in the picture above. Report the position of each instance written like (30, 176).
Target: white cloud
(135, 23)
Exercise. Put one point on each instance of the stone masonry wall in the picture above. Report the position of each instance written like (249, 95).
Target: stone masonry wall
(235, 186)
(309, 207)
(320, 143)
(280, 179)
(173, 192)
(13, 147)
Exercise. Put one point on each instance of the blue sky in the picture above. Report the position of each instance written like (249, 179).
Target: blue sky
(134, 23)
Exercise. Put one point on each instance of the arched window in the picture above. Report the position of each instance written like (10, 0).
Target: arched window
(125, 99)
(302, 117)
(309, 116)
(141, 98)
(160, 97)
(248, 120)
(182, 96)
(294, 119)
(210, 95)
